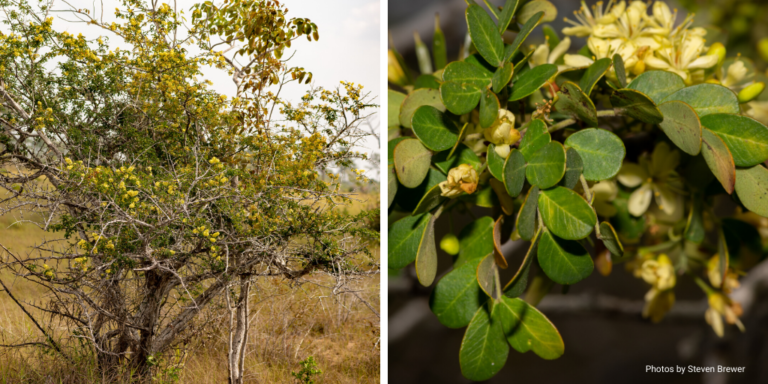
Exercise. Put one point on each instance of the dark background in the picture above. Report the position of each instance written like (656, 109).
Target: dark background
(606, 338)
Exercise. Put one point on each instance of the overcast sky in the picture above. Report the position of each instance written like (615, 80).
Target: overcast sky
(348, 48)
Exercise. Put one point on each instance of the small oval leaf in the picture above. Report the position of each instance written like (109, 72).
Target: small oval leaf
(682, 126)
(637, 105)
(411, 162)
(535, 138)
(707, 99)
(532, 80)
(745, 137)
(564, 261)
(426, 258)
(527, 329)
(751, 187)
(415, 100)
(719, 159)
(601, 151)
(513, 173)
(573, 102)
(566, 213)
(657, 84)
(547, 166)
(483, 350)
(436, 130)
(484, 35)
(460, 98)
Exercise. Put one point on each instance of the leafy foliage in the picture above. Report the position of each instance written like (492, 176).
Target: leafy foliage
(629, 151)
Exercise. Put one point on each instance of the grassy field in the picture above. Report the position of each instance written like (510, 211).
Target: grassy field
(288, 324)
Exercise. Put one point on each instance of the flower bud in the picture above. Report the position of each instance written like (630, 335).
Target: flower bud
(502, 132)
(395, 72)
(751, 92)
(450, 244)
(719, 50)
(461, 179)
(762, 48)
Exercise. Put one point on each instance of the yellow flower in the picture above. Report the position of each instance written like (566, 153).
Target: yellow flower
(657, 304)
(461, 179)
(683, 57)
(659, 273)
(598, 22)
(395, 72)
(502, 133)
(657, 179)
(542, 55)
(721, 306)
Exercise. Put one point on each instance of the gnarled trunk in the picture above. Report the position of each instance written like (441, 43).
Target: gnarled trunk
(238, 332)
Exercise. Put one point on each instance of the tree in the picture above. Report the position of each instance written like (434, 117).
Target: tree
(170, 194)
(638, 150)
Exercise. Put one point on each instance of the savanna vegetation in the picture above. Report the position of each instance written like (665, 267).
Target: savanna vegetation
(158, 230)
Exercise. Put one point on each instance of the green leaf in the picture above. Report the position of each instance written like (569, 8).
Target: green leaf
(483, 350)
(694, 229)
(404, 238)
(719, 159)
(439, 50)
(751, 187)
(394, 100)
(517, 285)
(746, 138)
(573, 102)
(426, 258)
(657, 84)
(415, 100)
(530, 9)
(514, 173)
(465, 72)
(707, 99)
(532, 80)
(593, 74)
(486, 275)
(495, 163)
(391, 149)
(510, 6)
(551, 36)
(477, 60)
(462, 155)
(430, 201)
(528, 329)
(637, 105)
(502, 77)
(426, 82)
(564, 261)
(574, 167)
(528, 26)
(489, 108)
(526, 219)
(547, 166)
(535, 138)
(621, 73)
(460, 99)
(484, 35)
(601, 151)
(682, 126)
(392, 185)
(566, 213)
(611, 239)
(475, 241)
(457, 296)
(436, 130)
(411, 162)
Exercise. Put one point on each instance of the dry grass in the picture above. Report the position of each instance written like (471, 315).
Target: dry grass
(288, 324)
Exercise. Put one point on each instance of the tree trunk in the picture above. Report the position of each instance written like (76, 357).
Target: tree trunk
(238, 332)
(156, 285)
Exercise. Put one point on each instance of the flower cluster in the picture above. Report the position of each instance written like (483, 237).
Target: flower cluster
(645, 38)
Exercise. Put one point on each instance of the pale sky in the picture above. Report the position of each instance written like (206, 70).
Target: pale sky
(348, 48)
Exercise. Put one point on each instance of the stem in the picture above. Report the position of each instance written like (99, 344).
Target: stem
(498, 283)
(589, 197)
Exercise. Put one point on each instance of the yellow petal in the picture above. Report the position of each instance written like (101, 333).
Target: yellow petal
(632, 175)
(640, 200)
